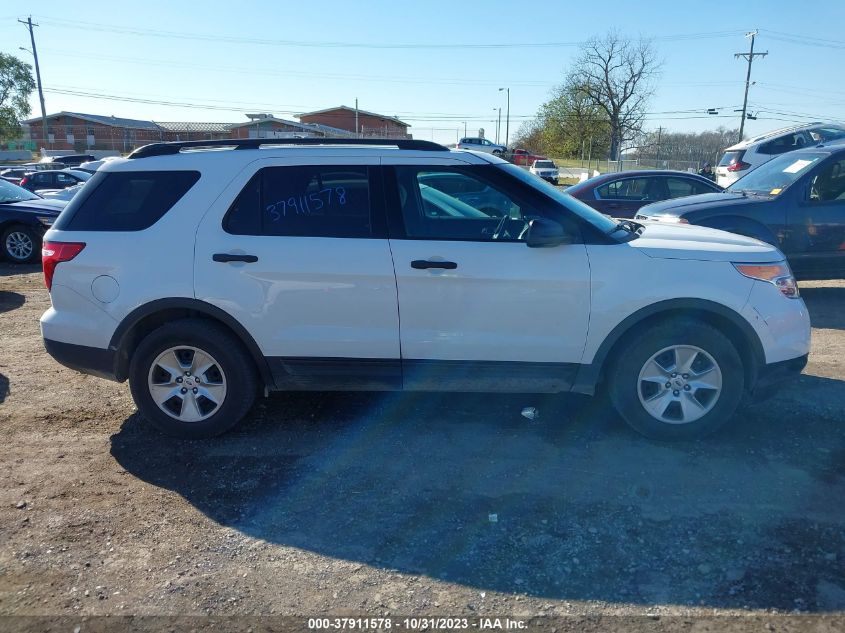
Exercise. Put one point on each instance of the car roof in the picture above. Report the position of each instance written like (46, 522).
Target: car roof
(745, 144)
(601, 179)
(229, 154)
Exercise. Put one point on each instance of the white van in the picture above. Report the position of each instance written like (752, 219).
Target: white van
(746, 155)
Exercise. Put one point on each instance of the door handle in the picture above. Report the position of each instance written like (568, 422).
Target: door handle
(424, 264)
(227, 257)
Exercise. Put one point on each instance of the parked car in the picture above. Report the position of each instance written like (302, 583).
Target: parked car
(93, 165)
(481, 145)
(14, 174)
(523, 157)
(741, 158)
(59, 179)
(70, 160)
(545, 169)
(795, 201)
(621, 194)
(61, 194)
(24, 216)
(297, 261)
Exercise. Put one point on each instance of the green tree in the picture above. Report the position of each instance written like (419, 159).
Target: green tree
(16, 84)
(571, 123)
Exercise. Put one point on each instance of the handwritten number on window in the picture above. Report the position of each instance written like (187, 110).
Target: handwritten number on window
(307, 204)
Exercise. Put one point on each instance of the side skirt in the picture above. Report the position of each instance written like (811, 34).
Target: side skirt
(373, 374)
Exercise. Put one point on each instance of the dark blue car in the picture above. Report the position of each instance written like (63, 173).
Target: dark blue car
(24, 218)
(795, 201)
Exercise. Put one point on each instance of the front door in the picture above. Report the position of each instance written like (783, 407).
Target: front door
(479, 310)
(816, 245)
(301, 260)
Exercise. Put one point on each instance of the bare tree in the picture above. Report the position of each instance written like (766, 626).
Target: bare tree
(616, 75)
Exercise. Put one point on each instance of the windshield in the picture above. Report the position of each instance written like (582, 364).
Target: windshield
(773, 177)
(13, 193)
(602, 222)
(546, 164)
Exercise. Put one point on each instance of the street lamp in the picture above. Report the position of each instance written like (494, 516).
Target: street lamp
(498, 124)
(508, 119)
(465, 128)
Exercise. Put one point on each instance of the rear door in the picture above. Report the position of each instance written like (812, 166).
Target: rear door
(816, 242)
(299, 255)
(480, 310)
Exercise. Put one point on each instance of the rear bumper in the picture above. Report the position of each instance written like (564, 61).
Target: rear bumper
(773, 375)
(88, 360)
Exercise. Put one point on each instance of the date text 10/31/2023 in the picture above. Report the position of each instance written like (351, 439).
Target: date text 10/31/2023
(307, 203)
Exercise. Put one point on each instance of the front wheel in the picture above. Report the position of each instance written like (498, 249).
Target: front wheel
(680, 380)
(21, 244)
(192, 379)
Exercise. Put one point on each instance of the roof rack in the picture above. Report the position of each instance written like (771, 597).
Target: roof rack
(165, 149)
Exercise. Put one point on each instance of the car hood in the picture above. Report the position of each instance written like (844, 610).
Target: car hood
(680, 206)
(42, 206)
(687, 241)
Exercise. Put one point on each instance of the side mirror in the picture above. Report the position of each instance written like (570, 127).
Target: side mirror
(544, 233)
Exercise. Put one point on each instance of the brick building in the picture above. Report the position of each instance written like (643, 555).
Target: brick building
(78, 132)
(369, 124)
(81, 132)
(268, 126)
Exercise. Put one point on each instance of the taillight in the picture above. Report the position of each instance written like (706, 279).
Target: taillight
(53, 253)
(739, 166)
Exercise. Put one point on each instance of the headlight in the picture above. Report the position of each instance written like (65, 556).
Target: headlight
(46, 220)
(777, 274)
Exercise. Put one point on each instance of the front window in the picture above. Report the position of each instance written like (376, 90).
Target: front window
(829, 184)
(599, 221)
(13, 193)
(635, 189)
(775, 176)
(825, 134)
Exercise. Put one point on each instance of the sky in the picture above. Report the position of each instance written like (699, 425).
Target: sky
(437, 65)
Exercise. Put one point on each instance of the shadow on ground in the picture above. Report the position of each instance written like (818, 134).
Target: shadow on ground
(460, 487)
(7, 269)
(10, 300)
(826, 305)
(4, 388)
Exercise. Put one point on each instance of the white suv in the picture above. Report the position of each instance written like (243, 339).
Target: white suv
(747, 155)
(481, 145)
(205, 275)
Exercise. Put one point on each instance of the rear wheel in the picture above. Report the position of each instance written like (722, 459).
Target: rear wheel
(20, 244)
(680, 380)
(192, 379)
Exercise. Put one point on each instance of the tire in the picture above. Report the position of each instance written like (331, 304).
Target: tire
(645, 365)
(20, 244)
(209, 406)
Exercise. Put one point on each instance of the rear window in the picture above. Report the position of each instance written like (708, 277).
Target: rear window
(731, 158)
(125, 201)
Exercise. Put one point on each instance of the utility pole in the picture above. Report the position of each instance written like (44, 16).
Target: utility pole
(657, 159)
(749, 56)
(357, 132)
(508, 117)
(498, 125)
(29, 25)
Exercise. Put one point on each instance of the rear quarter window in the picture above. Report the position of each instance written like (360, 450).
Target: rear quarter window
(125, 201)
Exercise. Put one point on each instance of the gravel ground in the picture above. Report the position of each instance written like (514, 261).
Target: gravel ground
(424, 504)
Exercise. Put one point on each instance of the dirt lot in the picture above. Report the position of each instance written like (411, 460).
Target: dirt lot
(370, 504)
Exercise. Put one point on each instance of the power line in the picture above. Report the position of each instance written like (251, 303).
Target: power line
(219, 38)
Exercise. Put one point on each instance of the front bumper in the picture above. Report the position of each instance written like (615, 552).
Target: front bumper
(773, 375)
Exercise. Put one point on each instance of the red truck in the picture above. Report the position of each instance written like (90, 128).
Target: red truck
(524, 157)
